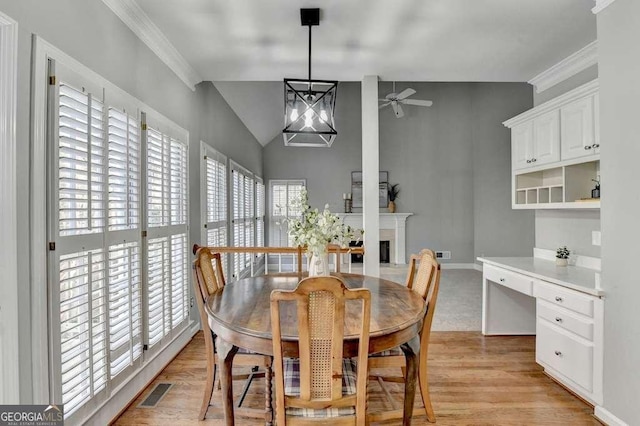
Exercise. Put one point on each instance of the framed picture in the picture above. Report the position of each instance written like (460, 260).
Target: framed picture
(356, 189)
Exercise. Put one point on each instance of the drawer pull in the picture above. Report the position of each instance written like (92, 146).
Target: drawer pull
(558, 299)
(558, 353)
(501, 280)
(558, 319)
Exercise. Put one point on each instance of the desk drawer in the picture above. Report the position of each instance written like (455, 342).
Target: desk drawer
(513, 280)
(566, 298)
(568, 356)
(560, 317)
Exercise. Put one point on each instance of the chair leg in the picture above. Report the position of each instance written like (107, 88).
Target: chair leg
(423, 380)
(268, 404)
(208, 390)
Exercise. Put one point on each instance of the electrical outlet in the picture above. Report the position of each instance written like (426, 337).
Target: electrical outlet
(443, 255)
(595, 238)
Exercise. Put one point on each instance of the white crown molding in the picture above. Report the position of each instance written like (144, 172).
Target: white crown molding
(601, 5)
(134, 17)
(607, 417)
(568, 67)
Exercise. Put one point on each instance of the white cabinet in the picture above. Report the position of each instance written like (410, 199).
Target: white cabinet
(578, 128)
(556, 151)
(536, 142)
(522, 145)
(546, 139)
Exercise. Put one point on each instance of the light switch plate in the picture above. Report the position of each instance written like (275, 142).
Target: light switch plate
(595, 238)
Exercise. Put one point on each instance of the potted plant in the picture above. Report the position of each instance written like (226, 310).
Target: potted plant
(562, 256)
(393, 192)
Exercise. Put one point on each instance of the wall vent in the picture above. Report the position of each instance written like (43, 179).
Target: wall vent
(443, 255)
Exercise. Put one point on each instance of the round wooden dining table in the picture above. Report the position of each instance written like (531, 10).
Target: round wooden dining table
(239, 315)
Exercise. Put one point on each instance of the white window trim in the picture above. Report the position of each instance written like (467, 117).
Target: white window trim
(269, 190)
(125, 392)
(9, 348)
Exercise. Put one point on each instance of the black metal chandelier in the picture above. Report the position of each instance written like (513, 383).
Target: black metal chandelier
(309, 104)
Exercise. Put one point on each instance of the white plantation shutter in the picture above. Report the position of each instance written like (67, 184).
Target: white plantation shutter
(125, 308)
(259, 213)
(99, 269)
(83, 336)
(214, 210)
(282, 193)
(124, 171)
(167, 210)
(243, 211)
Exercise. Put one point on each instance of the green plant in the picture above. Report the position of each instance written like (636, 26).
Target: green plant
(563, 252)
(393, 191)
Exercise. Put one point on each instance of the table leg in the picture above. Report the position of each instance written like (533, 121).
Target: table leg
(268, 409)
(226, 352)
(411, 351)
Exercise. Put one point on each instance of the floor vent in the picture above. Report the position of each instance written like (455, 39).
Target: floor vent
(155, 395)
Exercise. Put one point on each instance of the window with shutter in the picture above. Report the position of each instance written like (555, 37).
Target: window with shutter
(282, 193)
(259, 213)
(214, 211)
(99, 270)
(243, 206)
(167, 209)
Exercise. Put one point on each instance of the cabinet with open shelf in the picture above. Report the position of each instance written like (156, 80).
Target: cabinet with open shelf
(565, 186)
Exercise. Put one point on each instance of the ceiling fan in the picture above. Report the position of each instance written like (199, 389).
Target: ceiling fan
(397, 99)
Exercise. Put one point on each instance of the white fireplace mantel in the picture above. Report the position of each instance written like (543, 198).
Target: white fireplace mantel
(395, 222)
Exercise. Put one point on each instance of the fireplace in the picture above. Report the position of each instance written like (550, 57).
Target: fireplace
(385, 253)
(392, 231)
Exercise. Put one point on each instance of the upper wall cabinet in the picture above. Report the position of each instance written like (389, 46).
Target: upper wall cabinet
(556, 150)
(578, 128)
(536, 142)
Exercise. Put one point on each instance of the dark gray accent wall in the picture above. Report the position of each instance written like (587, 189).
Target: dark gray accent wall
(93, 35)
(618, 35)
(446, 159)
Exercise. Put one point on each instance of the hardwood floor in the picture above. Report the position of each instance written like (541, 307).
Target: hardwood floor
(474, 380)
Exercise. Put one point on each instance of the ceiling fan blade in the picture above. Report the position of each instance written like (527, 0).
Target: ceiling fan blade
(383, 100)
(405, 93)
(397, 109)
(417, 102)
(384, 105)
(390, 96)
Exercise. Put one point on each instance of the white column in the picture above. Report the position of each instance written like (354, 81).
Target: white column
(370, 174)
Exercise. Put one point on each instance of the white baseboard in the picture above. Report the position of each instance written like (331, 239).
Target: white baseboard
(125, 395)
(607, 418)
(459, 266)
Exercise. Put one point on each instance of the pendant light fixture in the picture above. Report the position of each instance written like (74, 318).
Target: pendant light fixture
(309, 104)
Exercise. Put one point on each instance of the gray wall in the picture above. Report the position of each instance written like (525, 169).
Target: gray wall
(579, 79)
(498, 230)
(435, 154)
(89, 32)
(618, 35)
(571, 228)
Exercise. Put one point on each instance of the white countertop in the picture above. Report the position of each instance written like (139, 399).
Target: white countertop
(573, 277)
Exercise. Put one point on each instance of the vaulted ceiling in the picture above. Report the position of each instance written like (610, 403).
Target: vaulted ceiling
(402, 40)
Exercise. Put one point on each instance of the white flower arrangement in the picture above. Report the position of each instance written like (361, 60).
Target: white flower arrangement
(315, 229)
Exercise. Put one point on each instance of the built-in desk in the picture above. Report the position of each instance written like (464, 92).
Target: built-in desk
(562, 306)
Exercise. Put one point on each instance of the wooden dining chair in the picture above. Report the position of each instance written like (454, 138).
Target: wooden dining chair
(320, 386)
(208, 279)
(425, 282)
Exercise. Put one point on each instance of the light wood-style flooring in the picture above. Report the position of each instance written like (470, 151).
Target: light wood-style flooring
(475, 380)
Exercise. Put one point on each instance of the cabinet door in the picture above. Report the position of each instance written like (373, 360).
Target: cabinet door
(577, 135)
(546, 139)
(521, 145)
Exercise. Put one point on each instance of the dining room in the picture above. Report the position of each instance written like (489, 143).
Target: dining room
(421, 179)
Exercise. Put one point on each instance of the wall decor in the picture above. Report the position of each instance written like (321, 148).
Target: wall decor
(356, 189)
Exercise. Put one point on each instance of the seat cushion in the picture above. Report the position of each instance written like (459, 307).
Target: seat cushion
(292, 388)
(391, 352)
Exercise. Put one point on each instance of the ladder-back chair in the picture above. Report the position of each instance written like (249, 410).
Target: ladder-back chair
(426, 282)
(320, 386)
(208, 279)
